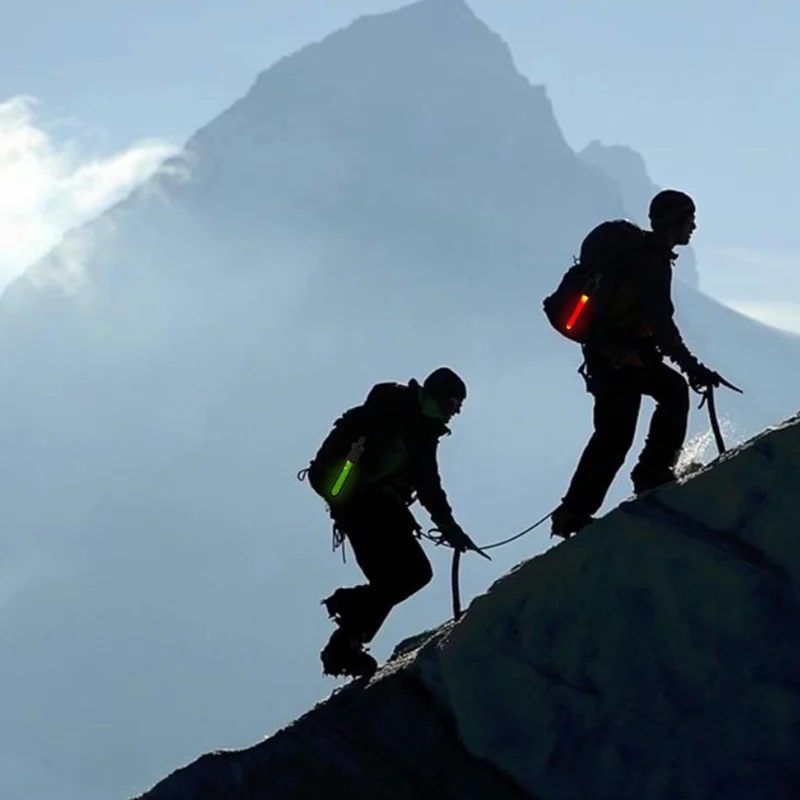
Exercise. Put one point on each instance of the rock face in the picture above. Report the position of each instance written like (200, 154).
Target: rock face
(655, 655)
(395, 744)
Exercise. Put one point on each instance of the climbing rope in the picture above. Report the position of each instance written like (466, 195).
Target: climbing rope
(338, 537)
(707, 399)
(454, 582)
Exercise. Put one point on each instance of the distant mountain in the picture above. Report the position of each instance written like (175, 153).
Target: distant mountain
(394, 197)
(628, 169)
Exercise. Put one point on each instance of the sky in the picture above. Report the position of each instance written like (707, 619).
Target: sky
(92, 101)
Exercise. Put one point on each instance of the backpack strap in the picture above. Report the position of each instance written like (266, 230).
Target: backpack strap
(583, 371)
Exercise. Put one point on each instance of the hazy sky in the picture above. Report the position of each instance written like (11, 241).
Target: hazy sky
(705, 91)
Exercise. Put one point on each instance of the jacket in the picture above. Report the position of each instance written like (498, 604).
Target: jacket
(641, 316)
(400, 450)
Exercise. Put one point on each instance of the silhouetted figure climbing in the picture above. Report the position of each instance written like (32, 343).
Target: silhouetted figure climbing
(377, 456)
(630, 329)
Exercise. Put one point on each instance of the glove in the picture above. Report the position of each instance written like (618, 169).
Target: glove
(454, 535)
(701, 377)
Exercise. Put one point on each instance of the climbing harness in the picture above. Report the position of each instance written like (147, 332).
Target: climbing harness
(337, 533)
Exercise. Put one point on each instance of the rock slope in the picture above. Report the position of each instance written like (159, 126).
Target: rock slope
(656, 655)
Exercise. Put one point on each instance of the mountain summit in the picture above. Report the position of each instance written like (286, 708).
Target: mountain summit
(413, 134)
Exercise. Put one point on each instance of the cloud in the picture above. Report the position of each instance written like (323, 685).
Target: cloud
(761, 284)
(48, 185)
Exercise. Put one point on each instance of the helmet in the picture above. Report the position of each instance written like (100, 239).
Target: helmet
(447, 389)
(670, 207)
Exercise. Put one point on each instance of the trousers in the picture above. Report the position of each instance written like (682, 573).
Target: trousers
(617, 401)
(381, 531)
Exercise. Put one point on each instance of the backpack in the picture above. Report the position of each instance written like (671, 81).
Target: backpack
(329, 470)
(580, 302)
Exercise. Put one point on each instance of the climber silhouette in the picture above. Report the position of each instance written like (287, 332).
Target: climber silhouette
(623, 360)
(368, 468)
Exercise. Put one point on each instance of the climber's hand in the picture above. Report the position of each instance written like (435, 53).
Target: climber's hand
(701, 378)
(454, 535)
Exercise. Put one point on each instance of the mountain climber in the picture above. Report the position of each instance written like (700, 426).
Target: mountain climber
(623, 360)
(369, 467)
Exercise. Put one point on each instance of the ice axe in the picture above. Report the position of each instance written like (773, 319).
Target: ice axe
(454, 587)
(708, 398)
(471, 546)
(475, 549)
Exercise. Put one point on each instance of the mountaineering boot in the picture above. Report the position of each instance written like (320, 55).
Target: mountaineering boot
(333, 604)
(345, 655)
(345, 603)
(644, 479)
(566, 521)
